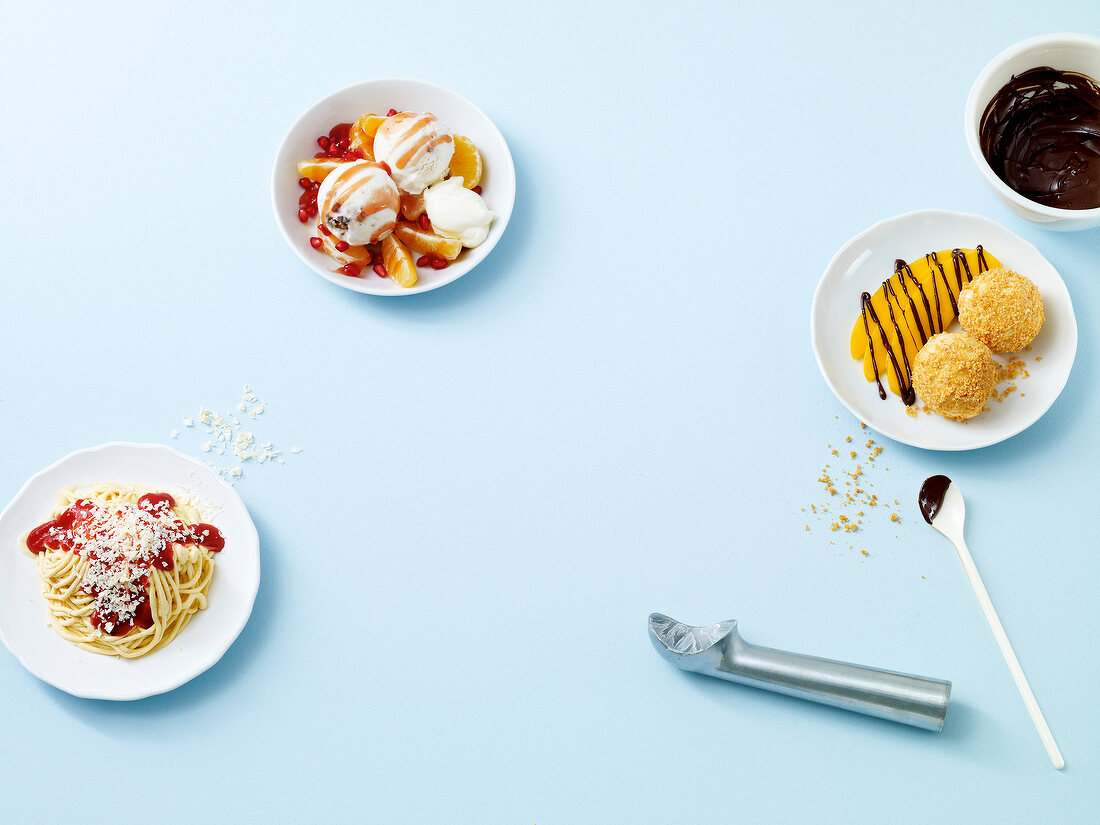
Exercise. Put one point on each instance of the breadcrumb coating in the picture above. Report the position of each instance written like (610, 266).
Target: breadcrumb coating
(1002, 309)
(954, 375)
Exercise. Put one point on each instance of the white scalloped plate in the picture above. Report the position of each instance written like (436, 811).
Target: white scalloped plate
(867, 260)
(24, 627)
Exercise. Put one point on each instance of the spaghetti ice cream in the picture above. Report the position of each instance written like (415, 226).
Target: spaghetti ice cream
(954, 375)
(123, 571)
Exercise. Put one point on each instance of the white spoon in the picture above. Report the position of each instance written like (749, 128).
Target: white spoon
(942, 505)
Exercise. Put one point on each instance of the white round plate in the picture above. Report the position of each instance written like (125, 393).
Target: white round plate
(867, 260)
(498, 185)
(24, 626)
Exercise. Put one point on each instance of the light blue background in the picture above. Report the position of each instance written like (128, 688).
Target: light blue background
(618, 412)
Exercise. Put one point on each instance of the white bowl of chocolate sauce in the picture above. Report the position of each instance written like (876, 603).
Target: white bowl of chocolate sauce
(1032, 125)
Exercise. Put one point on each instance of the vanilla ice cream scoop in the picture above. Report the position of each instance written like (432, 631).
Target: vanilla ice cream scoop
(358, 202)
(457, 212)
(417, 148)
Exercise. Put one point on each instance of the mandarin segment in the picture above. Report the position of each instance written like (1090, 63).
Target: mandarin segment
(399, 261)
(427, 243)
(363, 132)
(317, 169)
(350, 254)
(466, 163)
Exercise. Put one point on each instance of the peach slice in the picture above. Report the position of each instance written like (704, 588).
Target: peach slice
(317, 169)
(363, 132)
(427, 243)
(921, 305)
(399, 261)
(466, 163)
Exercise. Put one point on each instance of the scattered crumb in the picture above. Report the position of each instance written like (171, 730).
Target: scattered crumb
(174, 434)
(225, 437)
(854, 496)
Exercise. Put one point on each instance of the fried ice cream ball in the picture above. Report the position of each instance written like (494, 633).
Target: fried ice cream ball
(1002, 309)
(954, 375)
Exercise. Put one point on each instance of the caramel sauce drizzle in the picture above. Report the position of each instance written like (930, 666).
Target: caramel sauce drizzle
(348, 182)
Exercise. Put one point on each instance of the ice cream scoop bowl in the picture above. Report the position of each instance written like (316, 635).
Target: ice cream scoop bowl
(718, 650)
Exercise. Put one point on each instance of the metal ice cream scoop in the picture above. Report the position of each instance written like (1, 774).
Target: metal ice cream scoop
(718, 650)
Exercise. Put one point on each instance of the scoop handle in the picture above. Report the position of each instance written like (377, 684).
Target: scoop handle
(899, 697)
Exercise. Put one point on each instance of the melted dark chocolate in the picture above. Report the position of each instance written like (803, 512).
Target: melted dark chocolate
(931, 496)
(1041, 136)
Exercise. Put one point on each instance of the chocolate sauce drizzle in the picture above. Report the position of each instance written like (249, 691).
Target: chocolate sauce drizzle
(1041, 135)
(931, 496)
(905, 275)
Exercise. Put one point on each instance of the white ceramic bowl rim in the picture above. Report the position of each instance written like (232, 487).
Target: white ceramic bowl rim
(975, 108)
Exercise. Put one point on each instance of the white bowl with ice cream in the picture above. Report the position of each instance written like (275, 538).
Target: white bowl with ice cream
(498, 183)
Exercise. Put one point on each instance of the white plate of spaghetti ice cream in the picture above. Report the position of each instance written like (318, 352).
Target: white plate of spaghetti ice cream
(126, 570)
(929, 290)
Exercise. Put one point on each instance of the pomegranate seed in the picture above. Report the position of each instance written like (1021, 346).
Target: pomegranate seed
(422, 260)
(385, 167)
(305, 183)
(476, 189)
(440, 263)
(323, 142)
(425, 223)
(341, 131)
(323, 154)
(341, 145)
(351, 270)
(351, 155)
(305, 198)
(325, 229)
(314, 185)
(315, 243)
(391, 113)
(303, 215)
(380, 271)
(342, 246)
(311, 210)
